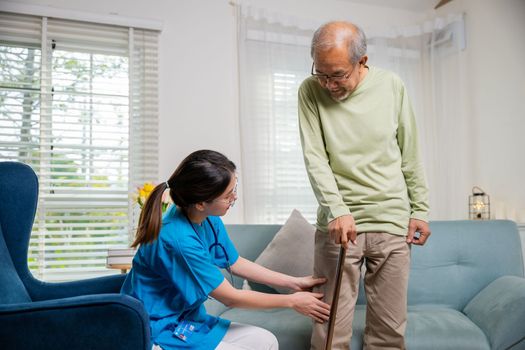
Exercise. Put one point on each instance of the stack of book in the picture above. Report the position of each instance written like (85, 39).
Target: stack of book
(120, 258)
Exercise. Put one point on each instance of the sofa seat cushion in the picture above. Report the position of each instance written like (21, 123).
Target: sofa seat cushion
(428, 328)
(431, 327)
(291, 329)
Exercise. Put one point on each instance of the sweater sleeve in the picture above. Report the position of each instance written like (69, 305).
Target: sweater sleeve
(411, 164)
(316, 159)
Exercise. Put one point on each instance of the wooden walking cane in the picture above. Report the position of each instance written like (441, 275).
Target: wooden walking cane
(335, 298)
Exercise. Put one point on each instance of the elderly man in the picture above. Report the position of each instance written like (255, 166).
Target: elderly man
(360, 147)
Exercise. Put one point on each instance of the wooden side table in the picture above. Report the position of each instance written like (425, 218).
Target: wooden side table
(122, 267)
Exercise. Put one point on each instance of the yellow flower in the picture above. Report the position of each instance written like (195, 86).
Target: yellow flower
(148, 187)
(144, 192)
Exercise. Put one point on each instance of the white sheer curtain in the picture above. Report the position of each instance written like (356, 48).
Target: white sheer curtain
(274, 58)
(273, 61)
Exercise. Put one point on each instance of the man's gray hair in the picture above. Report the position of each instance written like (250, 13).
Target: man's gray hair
(325, 37)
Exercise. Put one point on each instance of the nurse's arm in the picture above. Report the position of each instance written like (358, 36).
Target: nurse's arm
(306, 303)
(260, 274)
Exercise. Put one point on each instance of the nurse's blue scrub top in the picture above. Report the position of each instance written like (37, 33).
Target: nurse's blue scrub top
(173, 277)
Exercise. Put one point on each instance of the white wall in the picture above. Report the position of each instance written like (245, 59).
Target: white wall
(198, 75)
(495, 57)
(521, 227)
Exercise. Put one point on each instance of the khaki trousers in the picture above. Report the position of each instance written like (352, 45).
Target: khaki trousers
(387, 261)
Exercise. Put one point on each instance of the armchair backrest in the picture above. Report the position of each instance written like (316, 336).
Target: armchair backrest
(18, 201)
(12, 289)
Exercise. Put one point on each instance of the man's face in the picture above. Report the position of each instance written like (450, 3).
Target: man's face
(335, 72)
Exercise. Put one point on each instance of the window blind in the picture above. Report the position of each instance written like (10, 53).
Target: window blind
(78, 102)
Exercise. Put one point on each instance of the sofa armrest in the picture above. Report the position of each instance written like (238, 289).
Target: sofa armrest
(39, 290)
(107, 321)
(499, 310)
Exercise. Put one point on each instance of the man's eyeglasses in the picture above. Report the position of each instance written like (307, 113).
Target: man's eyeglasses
(336, 78)
(232, 197)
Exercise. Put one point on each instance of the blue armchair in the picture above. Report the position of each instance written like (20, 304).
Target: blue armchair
(87, 314)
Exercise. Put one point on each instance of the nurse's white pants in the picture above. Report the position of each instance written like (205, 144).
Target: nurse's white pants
(245, 337)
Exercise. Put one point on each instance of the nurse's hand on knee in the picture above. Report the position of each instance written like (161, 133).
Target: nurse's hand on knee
(303, 284)
(311, 305)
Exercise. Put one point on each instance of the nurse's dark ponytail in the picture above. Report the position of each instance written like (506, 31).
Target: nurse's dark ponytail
(201, 177)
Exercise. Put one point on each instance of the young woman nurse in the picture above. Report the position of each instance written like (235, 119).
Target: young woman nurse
(177, 265)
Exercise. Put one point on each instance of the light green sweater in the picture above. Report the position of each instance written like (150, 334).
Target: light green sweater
(362, 154)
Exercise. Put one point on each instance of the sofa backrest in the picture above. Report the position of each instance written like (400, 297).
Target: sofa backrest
(459, 259)
(250, 241)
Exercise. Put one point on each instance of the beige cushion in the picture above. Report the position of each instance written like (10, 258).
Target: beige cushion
(291, 251)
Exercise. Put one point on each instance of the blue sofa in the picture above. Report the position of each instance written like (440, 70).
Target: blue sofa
(466, 290)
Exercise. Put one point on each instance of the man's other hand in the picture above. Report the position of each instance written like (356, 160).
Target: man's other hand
(421, 227)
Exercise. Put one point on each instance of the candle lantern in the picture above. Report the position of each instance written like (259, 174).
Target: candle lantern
(479, 204)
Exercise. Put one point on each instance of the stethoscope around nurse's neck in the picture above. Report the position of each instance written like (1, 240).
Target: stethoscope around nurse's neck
(214, 244)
